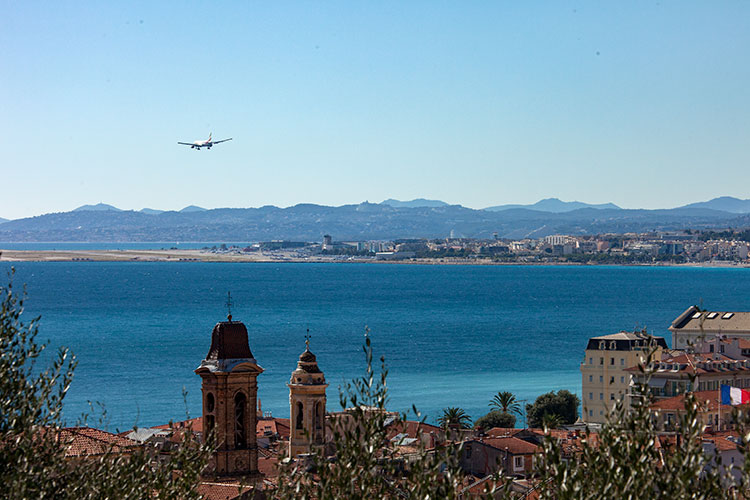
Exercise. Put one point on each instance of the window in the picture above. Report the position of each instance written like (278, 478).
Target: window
(622, 380)
(518, 462)
(591, 378)
(612, 361)
(727, 316)
(613, 345)
(611, 380)
(601, 361)
(468, 451)
(591, 413)
(601, 395)
(209, 402)
(240, 438)
(711, 315)
(591, 395)
(300, 409)
(612, 396)
(601, 378)
(602, 345)
(591, 361)
(622, 361)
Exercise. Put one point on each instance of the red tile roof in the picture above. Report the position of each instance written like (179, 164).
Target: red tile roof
(87, 441)
(222, 491)
(513, 445)
(194, 424)
(278, 426)
(411, 428)
(708, 401)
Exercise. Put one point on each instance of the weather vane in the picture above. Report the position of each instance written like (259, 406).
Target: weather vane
(229, 305)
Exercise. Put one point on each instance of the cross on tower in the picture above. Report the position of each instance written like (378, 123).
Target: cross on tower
(229, 305)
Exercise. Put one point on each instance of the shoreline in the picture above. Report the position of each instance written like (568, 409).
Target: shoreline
(281, 257)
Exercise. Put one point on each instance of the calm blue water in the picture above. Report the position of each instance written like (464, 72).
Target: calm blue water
(451, 335)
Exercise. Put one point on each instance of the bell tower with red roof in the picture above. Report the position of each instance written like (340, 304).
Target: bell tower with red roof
(230, 389)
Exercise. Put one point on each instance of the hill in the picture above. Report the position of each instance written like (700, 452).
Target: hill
(555, 205)
(724, 203)
(417, 203)
(99, 207)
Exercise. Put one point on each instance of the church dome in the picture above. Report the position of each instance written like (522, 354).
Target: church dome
(307, 357)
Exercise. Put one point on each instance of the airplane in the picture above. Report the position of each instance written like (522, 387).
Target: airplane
(203, 144)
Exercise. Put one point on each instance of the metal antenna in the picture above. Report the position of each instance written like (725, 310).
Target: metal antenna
(229, 305)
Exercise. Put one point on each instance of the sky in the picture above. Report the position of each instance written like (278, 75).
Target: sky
(643, 104)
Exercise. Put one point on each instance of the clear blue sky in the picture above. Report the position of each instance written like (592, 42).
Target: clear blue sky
(644, 104)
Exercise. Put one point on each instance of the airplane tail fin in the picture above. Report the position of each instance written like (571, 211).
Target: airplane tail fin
(209, 136)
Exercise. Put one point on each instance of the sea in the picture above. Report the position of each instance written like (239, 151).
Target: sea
(451, 335)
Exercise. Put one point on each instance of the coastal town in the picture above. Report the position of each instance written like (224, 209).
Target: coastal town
(255, 450)
(674, 248)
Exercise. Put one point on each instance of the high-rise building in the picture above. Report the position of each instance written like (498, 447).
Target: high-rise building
(229, 385)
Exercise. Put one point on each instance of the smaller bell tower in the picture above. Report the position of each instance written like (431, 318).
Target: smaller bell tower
(307, 405)
(230, 389)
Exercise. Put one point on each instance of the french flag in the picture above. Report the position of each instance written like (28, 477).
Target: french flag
(734, 395)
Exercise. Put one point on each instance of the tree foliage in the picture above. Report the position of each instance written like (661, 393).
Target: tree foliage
(563, 403)
(32, 446)
(454, 418)
(495, 418)
(506, 402)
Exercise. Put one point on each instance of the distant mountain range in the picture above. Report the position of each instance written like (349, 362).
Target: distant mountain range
(554, 205)
(3, 220)
(365, 221)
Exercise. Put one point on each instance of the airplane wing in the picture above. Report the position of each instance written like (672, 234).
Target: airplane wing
(186, 143)
(223, 140)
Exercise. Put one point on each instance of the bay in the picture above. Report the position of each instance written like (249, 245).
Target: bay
(450, 335)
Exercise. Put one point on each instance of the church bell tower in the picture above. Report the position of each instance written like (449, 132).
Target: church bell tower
(307, 405)
(229, 385)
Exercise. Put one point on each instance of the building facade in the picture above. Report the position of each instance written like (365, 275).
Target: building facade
(604, 375)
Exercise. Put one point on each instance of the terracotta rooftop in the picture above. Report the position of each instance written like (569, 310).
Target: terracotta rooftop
(87, 441)
(222, 491)
(278, 426)
(709, 401)
(411, 428)
(511, 444)
(194, 424)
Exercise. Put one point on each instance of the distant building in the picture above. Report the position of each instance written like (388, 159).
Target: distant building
(694, 325)
(327, 241)
(605, 379)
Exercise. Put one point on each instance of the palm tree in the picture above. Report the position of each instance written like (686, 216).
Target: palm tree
(506, 402)
(551, 421)
(454, 418)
